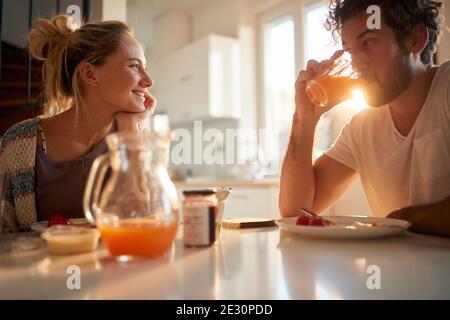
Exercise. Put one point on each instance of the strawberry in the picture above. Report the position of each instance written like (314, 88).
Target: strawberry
(57, 219)
(317, 221)
(303, 220)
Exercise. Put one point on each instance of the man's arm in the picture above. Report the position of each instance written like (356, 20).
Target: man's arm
(297, 182)
(304, 184)
(430, 219)
(314, 187)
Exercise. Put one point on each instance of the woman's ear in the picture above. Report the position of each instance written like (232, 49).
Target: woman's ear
(87, 73)
(418, 39)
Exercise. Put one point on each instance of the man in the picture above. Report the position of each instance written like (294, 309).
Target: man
(400, 146)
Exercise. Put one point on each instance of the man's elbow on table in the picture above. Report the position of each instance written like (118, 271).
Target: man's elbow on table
(289, 209)
(286, 211)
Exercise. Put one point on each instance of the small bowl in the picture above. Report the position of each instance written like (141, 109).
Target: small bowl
(63, 239)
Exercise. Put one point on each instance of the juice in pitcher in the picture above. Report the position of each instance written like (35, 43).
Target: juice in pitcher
(139, 237)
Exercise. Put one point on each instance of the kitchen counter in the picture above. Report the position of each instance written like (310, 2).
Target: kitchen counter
(246, 264)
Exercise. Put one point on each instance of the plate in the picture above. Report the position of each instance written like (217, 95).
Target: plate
(344, 227)
(42, 225)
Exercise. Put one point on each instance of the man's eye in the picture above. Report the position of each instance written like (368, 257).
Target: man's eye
(369, 42)
(135, 65)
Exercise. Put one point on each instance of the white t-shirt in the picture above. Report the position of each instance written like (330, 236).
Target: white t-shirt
(398, 171)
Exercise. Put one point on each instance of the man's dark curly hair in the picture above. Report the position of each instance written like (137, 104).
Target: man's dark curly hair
(400, 15)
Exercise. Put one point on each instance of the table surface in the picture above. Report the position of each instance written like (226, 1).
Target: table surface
(246, 264)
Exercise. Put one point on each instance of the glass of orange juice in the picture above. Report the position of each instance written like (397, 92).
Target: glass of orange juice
(334, 85)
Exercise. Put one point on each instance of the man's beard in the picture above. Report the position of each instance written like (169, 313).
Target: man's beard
(380, 92)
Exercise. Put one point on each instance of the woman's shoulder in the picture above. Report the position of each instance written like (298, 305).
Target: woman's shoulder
(23, 130)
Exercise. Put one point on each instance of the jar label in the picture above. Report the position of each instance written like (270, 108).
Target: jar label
(199, 226)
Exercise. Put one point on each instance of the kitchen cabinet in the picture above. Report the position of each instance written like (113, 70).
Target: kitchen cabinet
(259, 201)
(199, 81)
(252, 202)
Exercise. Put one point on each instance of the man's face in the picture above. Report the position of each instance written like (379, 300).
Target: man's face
(379, 57)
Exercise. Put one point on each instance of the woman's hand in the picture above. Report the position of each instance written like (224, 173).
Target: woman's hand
(304, 108)
(136, 121)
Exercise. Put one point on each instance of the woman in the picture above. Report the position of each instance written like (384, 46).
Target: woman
(94, 82)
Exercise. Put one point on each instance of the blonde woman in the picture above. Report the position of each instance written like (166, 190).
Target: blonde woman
(95, 82)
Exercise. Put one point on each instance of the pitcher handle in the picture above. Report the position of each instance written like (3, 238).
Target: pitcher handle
(93, 186)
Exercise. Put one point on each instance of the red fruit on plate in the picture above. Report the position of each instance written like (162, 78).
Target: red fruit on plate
(317, 221)
(303, 220)
(57, 219)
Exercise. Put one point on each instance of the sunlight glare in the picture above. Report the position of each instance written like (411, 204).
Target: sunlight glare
(357, 102)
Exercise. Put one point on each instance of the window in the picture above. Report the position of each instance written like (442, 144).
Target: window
(278, 78)
(279, 72)
(318, 44)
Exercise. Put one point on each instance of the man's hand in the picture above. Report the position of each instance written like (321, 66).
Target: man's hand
(402, 214)
(431, 218)
(305, 109)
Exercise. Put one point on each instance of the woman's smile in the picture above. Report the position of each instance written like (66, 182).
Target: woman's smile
(140, 94)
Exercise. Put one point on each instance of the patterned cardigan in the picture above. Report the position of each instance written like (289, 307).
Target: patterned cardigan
(17, 160)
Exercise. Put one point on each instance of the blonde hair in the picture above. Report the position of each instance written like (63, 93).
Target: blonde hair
(62, 49)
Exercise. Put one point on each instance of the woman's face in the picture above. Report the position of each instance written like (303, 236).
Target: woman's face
(122, 81)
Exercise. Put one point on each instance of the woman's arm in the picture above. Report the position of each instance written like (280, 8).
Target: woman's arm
(136, 121)
(7, 210)
(430, 219)
(132, 122)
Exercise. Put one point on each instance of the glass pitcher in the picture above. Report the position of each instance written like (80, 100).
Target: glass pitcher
(136, 209)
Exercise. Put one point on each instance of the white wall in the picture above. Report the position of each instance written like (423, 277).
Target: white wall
(216, 16)
(173, 32)
(139, 18)
(109, 10)
(115, 10)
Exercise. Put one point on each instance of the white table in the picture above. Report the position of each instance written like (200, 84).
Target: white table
(252, 264)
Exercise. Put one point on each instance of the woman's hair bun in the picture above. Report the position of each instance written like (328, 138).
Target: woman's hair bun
(47, 36)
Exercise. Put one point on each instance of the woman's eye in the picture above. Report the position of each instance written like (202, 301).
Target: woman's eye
(135, 65)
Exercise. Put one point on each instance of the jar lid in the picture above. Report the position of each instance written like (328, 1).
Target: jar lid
(200, 192)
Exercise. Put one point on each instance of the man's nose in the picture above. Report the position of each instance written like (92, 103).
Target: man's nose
(359, 61)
